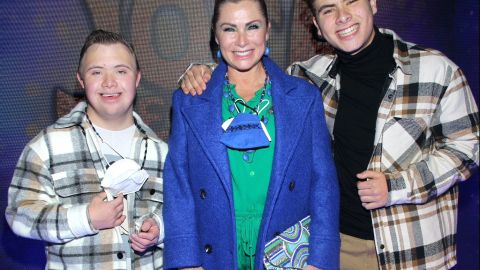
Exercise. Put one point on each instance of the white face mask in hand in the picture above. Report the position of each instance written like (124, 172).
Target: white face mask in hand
(123, 176)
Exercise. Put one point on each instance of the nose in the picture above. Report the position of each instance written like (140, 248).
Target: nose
(109, 80)
(242, 39)
(343, 16)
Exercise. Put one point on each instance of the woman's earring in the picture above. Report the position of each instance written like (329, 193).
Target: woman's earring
(219, 55)
(267, 51)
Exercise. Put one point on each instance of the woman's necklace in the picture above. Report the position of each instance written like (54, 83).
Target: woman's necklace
(235, 109)
(236, 101)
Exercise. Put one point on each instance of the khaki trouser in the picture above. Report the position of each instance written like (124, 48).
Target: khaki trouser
(357, 254)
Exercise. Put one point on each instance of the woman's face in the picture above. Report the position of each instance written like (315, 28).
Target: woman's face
(241, 33)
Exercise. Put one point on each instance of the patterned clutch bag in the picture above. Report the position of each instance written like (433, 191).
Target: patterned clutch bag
(289, 250)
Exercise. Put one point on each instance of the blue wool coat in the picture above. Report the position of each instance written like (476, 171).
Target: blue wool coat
(198, 212)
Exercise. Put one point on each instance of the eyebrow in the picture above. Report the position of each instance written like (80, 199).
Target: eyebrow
(116, 66)
(234, 25)
(321, 8)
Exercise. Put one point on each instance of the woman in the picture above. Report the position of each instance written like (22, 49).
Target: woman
(232, 187)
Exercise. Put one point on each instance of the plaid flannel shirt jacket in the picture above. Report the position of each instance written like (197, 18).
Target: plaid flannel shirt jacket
(426, 141)
(62, 169)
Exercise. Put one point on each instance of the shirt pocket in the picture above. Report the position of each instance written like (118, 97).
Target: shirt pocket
(402, 141)
(76, 186)
(150, 196)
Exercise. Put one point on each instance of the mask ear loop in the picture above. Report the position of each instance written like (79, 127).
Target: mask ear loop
(245, 105)
(264, 106)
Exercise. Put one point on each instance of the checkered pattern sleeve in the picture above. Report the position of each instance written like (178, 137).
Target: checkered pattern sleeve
(454, 149)
(33, 209)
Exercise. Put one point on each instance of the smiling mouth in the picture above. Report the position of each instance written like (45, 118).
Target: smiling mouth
(348, 31)
(243, 53)
(110, 94)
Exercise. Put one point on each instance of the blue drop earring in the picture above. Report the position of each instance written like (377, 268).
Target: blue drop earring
(267, 51)
(219, 55)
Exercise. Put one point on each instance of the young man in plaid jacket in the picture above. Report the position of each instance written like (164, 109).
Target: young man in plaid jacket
(56, 193)
(405, 130)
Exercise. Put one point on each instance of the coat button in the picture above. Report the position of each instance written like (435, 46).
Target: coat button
(203, 194)
(291, 186)
(152, 191)
(208, 249)
(390, 96)
(120, 255)
(382, 246)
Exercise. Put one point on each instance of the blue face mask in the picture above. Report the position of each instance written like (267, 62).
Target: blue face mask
(244, 132)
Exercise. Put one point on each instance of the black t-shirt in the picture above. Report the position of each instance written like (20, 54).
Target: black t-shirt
(363, 78)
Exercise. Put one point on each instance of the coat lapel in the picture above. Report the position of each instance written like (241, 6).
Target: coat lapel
(291, 112)
(205, 120)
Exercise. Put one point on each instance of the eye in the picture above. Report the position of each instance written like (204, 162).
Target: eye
(351, 1)
(228, 29)
(122, 71)
(95, 72)
(253, 27)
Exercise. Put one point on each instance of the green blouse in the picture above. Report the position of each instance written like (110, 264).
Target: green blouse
(251, 172)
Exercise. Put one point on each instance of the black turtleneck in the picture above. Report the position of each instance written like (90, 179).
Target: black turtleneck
(363, 77)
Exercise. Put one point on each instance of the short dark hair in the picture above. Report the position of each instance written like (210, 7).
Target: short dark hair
(216, 15)
(100, 36)
(310, 5)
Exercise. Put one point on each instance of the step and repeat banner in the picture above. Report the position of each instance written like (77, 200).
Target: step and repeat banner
(40, 42)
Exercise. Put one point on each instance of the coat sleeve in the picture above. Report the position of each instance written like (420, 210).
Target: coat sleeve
(324, 243)
(182, 248)
(455, 155)
(34, 210)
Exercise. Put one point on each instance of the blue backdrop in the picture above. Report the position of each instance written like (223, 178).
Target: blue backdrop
(40, 42)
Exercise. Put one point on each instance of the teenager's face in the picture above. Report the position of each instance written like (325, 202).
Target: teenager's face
(109, 76)
(241, 33)
(346, 24)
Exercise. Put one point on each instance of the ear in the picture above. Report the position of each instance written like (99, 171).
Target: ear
(373, 6)
(269, 27)
(137, 80)
(319, 31)
(79, 78)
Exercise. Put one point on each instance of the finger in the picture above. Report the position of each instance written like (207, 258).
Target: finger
(367, 174)
(206, 77)
(148, 224)
(145, 227)
(364, 185)
(200, 82)
(147, 237)
(368, 199)
(140, 242)
(184, 87)
(119, 221)
(101, 196)
(189, 87)
(137, 247)
(365, 192)
(117, 203)
(194, 82)
(119, 198)
(118, 214)
(370, 206)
